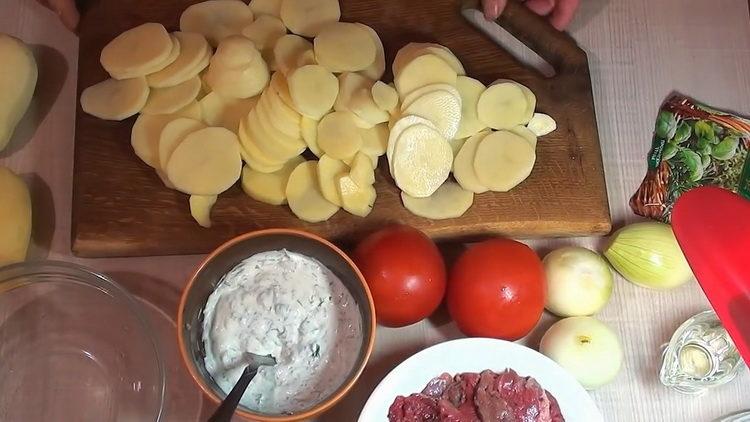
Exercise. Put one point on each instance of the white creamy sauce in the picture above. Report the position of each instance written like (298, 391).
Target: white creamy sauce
(292, 307)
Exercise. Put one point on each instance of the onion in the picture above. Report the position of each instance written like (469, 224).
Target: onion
(579, 281)
(647, 254)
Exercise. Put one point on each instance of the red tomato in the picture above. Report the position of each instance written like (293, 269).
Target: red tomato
(497, 289)
(405, 273)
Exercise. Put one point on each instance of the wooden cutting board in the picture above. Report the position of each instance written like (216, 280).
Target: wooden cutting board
(121, 208)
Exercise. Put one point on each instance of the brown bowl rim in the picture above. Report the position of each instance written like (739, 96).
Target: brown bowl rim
(319, 408)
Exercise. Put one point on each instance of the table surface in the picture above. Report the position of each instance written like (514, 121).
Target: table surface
(639, 51)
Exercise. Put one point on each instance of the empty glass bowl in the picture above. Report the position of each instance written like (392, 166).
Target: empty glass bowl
(74, 346)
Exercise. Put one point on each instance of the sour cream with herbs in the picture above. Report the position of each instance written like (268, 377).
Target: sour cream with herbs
(292, 307)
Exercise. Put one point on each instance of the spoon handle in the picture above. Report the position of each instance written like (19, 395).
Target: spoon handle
(226, 410)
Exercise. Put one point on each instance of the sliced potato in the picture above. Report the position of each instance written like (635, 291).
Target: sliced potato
(412, 50)
(456, 145)
(525, 133)
(304, 196)
(266, 7)
(253, 156)
(375, 140)
(15, 218)
(114, 99)
(463, 165)
(356, 199)
(307, 17)
(528, 93)
(376, 69)
(273, 144)
(294, 144)
(338, 136)
(349, 84)
(449, 201)
(144, 137)
(172, 134)
(309, 129)
(280, 109)
(542, 124)
(398, 127)
(280, 85)
(313, 90)
(192, 111)
(441, 108)
(200, 208)
(194, 56)
(206, 162)
(137, 51)
(269, 188)
(164, 179)
(502, 106)
(329, 170)
(344, 47)
(173, 98)
(288, 52)
(363, 106)
(225, 112)
(216, 19)
(18, 81)
(503, 160)
(265, 31)
(237, 70)
(419, 93)
(173, 54)
(288, 127)
(362, 170)
(422, 160)
(424, 70)
(470, 90)
(385, 96)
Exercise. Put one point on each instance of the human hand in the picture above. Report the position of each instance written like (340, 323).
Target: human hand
(559, 12)
(66, 10)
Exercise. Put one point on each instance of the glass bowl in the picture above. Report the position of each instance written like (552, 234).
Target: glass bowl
(74, 346)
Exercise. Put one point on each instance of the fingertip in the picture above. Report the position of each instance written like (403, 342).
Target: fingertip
(563, 13)
(493, 9)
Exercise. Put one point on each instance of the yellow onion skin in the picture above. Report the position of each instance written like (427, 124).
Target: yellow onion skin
(647, 254)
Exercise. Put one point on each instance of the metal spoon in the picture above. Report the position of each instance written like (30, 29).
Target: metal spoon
(227, 407)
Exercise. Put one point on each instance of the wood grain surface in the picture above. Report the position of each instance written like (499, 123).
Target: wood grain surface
(121, 208)
(639, 51)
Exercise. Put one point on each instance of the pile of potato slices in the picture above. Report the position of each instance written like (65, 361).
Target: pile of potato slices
(243, 92)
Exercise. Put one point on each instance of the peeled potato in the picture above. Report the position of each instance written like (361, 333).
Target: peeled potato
(192, 110)
(144, 137)
(424, 70)
(288, 126)
(172, 134)
(309, 130)
(269, 188)
(15, 218)
(273, 143)
(362, 170)
(280, 85)
(376, 69)
(530, 98)
(17, 84)
(542, 124)
(307, 17)
(525, 133)
(329, 170)
(304, 196)
(349, 84)
(449, 201)
(412, 50)
(456, 145)
(422, 161)
(216, 19)
(503, 160)
(470, 90)
(338, 136)
(264, 32)
(193, 58)
(200, 208)
(237, 70)
(463, 165)
(173, 98)
(375, 140)
(114, 99)
(293, 143)
(207, 162)
(344, 47)
(398, 127)
(420, 92)
(356, 199)
(137, 51)
(441, 108)
(363, 106)
(288, 52)
(266, 7)
(502, 106)
(253, 156)
(313, 90)
(385, 96)
(225, 112)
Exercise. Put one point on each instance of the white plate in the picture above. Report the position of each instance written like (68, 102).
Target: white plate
(476, 355)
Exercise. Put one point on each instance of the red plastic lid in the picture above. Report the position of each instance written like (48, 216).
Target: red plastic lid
(712, 226)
